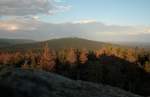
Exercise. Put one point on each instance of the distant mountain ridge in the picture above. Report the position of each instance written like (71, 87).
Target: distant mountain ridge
(9, 42)
(61, 43)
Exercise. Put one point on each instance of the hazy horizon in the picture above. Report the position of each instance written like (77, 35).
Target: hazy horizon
(99, 20)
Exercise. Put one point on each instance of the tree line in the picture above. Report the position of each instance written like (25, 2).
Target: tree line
(127, 68)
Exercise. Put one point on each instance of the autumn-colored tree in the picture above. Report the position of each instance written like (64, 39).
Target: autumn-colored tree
(131, 55)
(109, 49)
(83, 57)
(71, 57)
(17, 58)
(1, 58)
(47, 59)
(99, 52)
(103, 51)
(6, 58)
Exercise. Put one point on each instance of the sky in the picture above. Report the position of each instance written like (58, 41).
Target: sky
(102, 20)
(121, 12)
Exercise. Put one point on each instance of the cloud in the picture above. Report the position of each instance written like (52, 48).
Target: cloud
(60, 0)
(60, 9)
(9, 27)
(28, 7)
(14, 25)
(33, 29)
(85, 21)
(35, 17)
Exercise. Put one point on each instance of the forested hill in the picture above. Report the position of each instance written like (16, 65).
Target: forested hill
(74, 43)
(60, 44)
(10, 42)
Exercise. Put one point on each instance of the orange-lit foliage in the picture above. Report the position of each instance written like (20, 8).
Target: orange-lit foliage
(71, 57)
(83, 57)
(99, 52)
(6, 58)
(47, 59)
(130, 55)
(17, 58)
(126, 68)
(11, 58)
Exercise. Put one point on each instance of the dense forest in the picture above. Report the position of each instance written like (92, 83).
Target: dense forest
(126, 68)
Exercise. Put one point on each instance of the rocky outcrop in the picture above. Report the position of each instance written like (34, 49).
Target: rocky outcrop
(33, 83)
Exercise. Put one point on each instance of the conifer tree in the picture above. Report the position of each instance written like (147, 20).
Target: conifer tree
(71, 57)
(47, 59)
(83, 57)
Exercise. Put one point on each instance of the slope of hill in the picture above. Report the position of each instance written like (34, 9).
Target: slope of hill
(61, 43)
(56, 44)
(31, 83)
(75, 43)
(145, 45)
(10, 42)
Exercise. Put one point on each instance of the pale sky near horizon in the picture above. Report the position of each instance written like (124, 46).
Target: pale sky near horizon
(103, 20)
